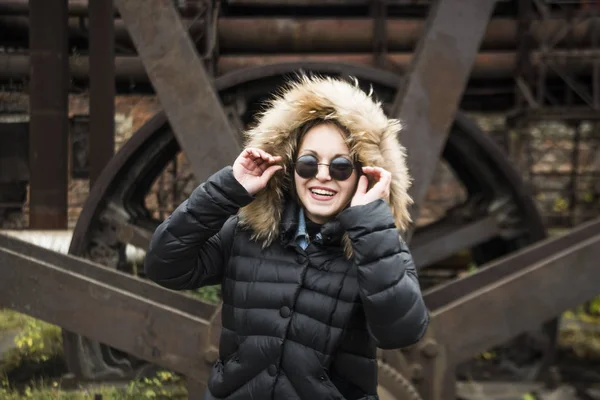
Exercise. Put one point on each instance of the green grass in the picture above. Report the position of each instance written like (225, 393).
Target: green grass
(164, 386)
(38, 348)
(585, 344)
(209, 294)
(39, 344)
(11, 320)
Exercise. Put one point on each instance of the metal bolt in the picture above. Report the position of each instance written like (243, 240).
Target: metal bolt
(416, 372)
(211, 355)
(430, 348)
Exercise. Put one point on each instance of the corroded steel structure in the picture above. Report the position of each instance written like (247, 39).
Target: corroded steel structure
(211, 64)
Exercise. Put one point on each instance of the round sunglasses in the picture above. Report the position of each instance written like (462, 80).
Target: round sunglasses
(340, 168)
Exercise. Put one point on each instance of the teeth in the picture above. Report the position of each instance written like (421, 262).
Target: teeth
(322, 192)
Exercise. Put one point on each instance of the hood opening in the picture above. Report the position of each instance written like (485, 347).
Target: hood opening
(303, 103)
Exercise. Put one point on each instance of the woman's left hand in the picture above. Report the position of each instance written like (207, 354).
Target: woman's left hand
(381, 190)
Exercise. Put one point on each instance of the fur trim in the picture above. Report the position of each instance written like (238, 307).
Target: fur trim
(373, 138)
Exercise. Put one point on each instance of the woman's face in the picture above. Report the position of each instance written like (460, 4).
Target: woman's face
(321, 195)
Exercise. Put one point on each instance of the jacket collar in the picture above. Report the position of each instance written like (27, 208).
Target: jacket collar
(302, 238)
(291, 227)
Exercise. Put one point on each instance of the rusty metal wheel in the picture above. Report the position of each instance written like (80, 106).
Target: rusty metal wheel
(394, 386)
(123, 208)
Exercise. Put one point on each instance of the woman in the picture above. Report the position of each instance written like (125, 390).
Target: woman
(303, 234)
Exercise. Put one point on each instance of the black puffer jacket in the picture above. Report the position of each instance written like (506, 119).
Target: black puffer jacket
(297, 324)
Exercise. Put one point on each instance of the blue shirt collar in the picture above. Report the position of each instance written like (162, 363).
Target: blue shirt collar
(301, 237)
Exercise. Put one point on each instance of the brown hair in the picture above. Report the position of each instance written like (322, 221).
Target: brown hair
(300, 133)
(307, 126)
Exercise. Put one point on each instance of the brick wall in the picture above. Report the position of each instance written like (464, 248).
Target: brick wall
(131, 112)
(134, 110)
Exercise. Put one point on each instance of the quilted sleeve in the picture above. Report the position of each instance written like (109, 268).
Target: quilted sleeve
(190, 248)
(389, 288)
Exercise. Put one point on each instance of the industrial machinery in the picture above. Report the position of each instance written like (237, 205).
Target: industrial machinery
(117, 325)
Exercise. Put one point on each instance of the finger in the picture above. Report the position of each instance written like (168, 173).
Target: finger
(269, 172)
(251, 153)
(265, 156)
(382, 171)
(252, 158)
(385, 177)
(382, 187)
(264, 164)
(387, 183)
(378, 173)
(247, 162)
(383, 183)
(373, 172)
(247, 158)
(363, 183)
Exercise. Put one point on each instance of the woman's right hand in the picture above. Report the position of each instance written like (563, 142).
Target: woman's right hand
(253, 168)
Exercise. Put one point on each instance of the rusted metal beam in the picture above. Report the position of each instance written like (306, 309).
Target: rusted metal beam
(148, 329)
(184, 88)
(14, 148)
(443, 241)
(49, 123)
(518, 293)
(442, 295)
(435, 82)
(108, 276)
(102, 86)
(133, 235)
(521, 302)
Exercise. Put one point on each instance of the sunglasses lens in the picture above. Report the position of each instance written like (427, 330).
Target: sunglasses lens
(341, 169)
(307, 167)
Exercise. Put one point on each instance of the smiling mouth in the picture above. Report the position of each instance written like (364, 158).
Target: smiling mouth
(322, 192)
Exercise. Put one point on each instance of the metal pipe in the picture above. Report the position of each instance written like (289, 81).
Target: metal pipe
(80, 7)
(130, 68)
(59, 241)
(21, 7)
(356, 34)
(488, 65)
(320, 3)
(351, 34)
(49, 122)
(304, 2)
(285, 35)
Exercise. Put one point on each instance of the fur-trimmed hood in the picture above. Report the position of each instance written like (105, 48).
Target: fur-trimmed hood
(373, 139)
